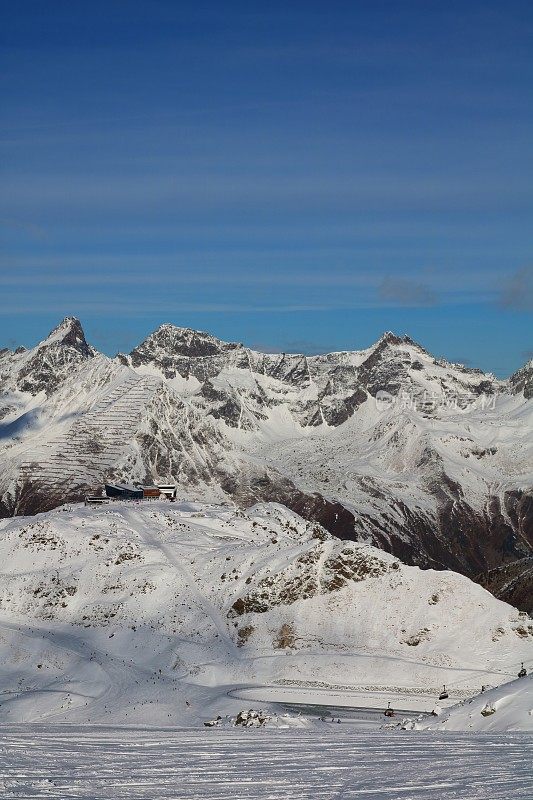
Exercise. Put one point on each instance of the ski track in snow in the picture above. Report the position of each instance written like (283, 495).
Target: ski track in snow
(98, 763)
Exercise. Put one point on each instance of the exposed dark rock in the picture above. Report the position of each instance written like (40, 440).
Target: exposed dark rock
(182, 351)
(522, 381)
(307, 577)
(512, 583)
(349, 565)
(386, 369)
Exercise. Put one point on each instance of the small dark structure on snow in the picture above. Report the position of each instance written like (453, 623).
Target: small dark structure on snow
(120, 491)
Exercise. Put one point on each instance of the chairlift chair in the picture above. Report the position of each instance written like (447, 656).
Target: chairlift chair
(523, 671)
(444, 694)
(389, 712)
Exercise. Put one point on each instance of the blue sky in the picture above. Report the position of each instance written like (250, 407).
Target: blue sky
(297, 175)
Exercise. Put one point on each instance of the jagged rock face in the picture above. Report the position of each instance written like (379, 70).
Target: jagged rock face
(170, 340)
(318, 571)
(522, 381)
(222, 420)
(293, 370)
(334, 410)
(70, 333)
(518, 505)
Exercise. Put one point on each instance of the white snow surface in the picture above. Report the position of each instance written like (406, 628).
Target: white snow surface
(154, 613)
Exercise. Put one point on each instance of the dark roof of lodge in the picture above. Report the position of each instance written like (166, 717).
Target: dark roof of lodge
(123, 487)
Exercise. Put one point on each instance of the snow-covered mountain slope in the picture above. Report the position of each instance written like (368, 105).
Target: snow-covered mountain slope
(429, 460)
(505, 708)
(96, 421)
(151, 612)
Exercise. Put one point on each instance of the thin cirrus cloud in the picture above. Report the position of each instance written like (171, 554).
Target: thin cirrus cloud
(147, 192)
(405, 292)
(517, 292)
(285, 285)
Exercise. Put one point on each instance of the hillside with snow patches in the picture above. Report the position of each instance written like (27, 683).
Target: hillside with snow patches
(428, 460)
(155, 613)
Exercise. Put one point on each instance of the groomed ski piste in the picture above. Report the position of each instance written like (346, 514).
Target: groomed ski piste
(125, 628)
(67, 762)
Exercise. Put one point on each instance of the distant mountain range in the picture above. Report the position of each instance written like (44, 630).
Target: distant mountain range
(429, 460)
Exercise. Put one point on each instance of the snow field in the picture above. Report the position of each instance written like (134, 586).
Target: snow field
(328, 763)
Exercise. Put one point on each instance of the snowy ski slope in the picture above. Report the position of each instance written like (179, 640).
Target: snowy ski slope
(155, 613)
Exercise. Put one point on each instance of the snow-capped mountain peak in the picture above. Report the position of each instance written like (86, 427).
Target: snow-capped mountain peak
(184, 341)
(43, 368)
(172, 350)
(69, 332)
(389, 337)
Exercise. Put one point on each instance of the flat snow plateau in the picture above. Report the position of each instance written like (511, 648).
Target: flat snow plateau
(97, 763)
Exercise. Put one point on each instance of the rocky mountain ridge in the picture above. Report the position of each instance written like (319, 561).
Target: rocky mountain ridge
(423, 458)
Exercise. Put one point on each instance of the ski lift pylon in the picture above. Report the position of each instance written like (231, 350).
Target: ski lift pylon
(389, 712)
